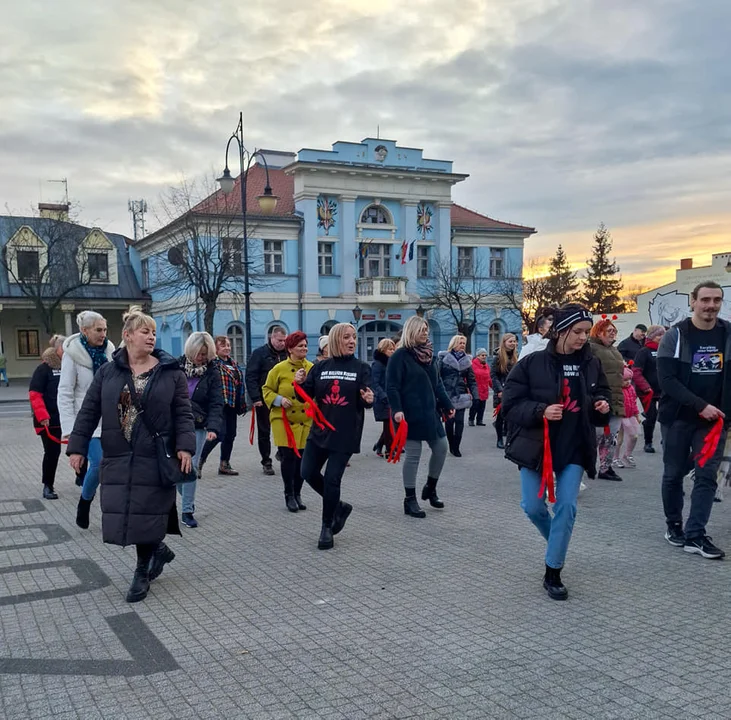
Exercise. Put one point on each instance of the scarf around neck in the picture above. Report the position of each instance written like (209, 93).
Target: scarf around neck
(97, 353)
(459, 354)
(423, 353)
(194, 371)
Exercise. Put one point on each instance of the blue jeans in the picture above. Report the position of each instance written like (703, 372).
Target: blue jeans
(91, 479)
(4, 375)
(557, 529)
(187, 490)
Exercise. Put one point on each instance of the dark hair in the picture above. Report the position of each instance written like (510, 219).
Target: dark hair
(710, 284)
(565, 311)
(541, 320)
(641, 327)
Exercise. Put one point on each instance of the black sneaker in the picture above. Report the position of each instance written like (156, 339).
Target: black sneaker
(675, 535)
(610, 475)
(49, 493)
(649, 448)
(704, 547)
(189, 520)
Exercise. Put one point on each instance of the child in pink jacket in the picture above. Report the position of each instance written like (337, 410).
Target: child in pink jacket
(630, 423)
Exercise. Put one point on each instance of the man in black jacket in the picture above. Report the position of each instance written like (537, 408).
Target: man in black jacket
(692, 363)
(629, 347)
(262, 360)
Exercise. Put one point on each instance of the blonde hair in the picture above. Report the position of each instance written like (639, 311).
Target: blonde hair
(385, 344)
(655, 331)
(455, 339)
(56, 341)
(196, 342)
(411, 331)
(335, 337)
(505, 361)
(134, 319)
(87, 318)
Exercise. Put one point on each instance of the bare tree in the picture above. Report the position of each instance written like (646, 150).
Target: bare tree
(50, 271)
(630, 295)
(461, 294)
(525, 289)
(202, 240)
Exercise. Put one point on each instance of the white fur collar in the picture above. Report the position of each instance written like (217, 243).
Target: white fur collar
(77, 352)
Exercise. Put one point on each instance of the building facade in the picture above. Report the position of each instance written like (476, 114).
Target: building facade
(361, 233)
(47, 257)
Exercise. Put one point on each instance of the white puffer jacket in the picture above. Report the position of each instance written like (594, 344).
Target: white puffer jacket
(533, 343)
(77, 372)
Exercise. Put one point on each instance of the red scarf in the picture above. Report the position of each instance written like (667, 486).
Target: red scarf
(399, 440)
(311, 409)
(547, 470)
(496, 411)
(710, 443)
(291, 441)
(252, 427)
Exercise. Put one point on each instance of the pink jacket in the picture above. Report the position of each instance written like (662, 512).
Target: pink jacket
(630, 401)
(482, 376)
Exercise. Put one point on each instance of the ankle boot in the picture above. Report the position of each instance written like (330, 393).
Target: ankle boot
(429, 493)
(49, 493)
(291, 503)
(411, 506)
(552, 583)
(300, 504)
(500, 443)
(140, 583)
(82, 513)
(162, 555)
(326, 538)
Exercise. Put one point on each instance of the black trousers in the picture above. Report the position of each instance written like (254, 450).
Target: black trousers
(327, 485)
(230, 427)
(51, 454)
(145, 552)
(478, 411)
(500, 425)
(263, 432)
(291, 469)
(455, 428)
(385, 439)
(648, 424)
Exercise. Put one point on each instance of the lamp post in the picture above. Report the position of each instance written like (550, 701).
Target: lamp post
(267, 203)
(420, 311)
(357, 314)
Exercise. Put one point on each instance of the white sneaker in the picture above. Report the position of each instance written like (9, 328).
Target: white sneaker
(582, 486)
(618, 463)
(629, 462)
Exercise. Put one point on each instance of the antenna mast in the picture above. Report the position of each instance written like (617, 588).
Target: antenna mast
(137, 209)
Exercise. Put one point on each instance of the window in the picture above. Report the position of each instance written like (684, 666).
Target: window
(273, 257)
(465, 261)
(497, 262)
(422, 261)
(98, 266)
(375, 215)
(187, 330)
(325, 258)
(28, 344)
(493, 338)
(377, 261)
(329, 325)
(235, 334)
(145, 273)
(28, 267)
(232, 256)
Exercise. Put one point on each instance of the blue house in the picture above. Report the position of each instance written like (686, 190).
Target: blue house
(366, 233)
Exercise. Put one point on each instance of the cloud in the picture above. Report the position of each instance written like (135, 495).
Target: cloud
(564, 114)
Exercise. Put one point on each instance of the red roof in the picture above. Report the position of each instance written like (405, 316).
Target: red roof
(282, 186)
(464, 217)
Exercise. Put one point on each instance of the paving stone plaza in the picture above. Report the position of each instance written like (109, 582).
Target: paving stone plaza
(437, 618)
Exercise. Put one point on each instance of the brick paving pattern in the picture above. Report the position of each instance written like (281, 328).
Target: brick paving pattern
(437, 618)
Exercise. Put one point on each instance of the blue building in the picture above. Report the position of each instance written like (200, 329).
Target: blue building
(368, 227)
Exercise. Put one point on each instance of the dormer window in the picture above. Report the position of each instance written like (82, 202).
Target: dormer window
(98, 267)
(376, 215)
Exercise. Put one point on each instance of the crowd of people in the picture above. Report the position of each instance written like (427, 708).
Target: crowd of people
(570, 404)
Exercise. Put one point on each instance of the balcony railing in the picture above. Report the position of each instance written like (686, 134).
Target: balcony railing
(387, 289)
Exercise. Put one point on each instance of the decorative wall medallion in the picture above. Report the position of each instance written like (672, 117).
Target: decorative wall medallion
(380, 153)
(327, 211)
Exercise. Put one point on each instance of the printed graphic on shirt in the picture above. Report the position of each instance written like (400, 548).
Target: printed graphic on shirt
(707, 359)
(569, 371)
(334, 397)
(339, 375)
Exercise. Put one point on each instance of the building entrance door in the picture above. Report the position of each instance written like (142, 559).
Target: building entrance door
(370, 334)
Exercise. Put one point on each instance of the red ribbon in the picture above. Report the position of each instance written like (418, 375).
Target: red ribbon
(252, 428)
(607, 431)
(311, 409)
(496, 411)
(710, 443)
(547, 470)
(399, 442)
(646, 400)
(291, 442)
(53, 437)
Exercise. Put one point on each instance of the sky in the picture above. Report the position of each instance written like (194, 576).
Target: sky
(565, 113)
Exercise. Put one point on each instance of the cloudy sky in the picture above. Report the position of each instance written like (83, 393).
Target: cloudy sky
(564, 112)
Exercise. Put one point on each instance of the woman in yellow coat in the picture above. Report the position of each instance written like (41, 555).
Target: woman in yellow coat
(291, 431)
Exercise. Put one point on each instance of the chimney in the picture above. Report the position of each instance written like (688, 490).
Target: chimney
(54, 211)
(686, 264)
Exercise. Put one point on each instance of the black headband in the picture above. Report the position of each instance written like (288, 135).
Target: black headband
(564, 319)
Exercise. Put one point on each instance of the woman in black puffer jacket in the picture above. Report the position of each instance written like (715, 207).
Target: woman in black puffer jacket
(381, 408)
(137, 509)
(458, 377)
(503, 362)
(562, 391)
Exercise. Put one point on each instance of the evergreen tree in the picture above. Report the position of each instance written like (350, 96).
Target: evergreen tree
(602, 285)
(561, 283)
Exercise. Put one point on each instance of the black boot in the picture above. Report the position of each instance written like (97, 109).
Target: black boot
(162, 555)
(341, 515)
(48, 493)
(411, 506)
(552, 583)
(291, 503)
(430, 493)
(300, 504)
(82, 513)
(326, 538)
(140, 583)
(500, 443)
(455, 447)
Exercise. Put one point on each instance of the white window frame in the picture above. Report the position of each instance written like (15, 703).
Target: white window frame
(423, 261)
(273, 250)
(379, 210)
(99, 253)
(233, 246)
(325, 253)
(465, 256)
(497, 262)
(382, 256)
(493, 342)
(29, 251)
(145, 270)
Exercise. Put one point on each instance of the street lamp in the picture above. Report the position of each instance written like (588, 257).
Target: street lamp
(420, 311)
(357, 314)
(267, 203)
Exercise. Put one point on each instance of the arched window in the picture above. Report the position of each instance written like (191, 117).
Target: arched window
(187, 331)
(493, 338)
(235, 334)
(329, 325)
(376, 215)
